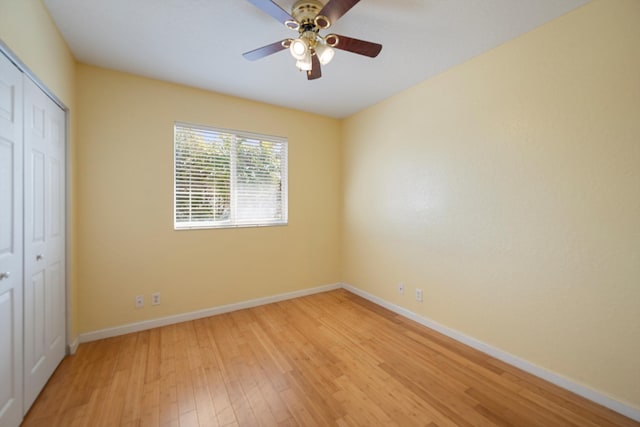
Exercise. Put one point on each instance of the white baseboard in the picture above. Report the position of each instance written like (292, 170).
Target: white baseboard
(72, 347)
(567, 384)
(184, 317)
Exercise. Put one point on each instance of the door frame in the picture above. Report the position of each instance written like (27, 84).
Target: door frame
(70, 345)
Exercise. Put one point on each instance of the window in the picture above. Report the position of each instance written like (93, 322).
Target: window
(228, 178)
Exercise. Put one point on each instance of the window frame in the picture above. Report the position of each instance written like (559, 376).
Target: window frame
(231, 222)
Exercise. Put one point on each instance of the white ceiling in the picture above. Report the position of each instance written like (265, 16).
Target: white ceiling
(199, 43)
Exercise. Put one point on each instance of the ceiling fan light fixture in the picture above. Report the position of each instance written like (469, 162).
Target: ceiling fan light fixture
(325, 53)
(304, 64)
(299, 48)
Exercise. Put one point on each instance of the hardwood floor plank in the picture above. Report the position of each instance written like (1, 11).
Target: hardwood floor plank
(96, 410)
(114, 403)
(204, 404)
(153, 356)
(220, 397)
(168, 399)
(184, 385)
(190, 419)
(357, 402)
(321, 404)
(264, 382)
(298, 408)
(150, 404)
(135, 386)
(321, 360)
(241, 407)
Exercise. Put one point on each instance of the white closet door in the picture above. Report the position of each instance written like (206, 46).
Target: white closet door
(44, 239)
(10, 244)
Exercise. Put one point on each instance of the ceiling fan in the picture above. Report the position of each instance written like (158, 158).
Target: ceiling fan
(310, 49)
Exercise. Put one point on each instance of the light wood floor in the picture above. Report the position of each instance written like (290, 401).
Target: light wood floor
(327, 359)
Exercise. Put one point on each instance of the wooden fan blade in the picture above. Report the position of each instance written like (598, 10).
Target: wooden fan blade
(263, 51)
(361, 47)
(336, 8)
(270, 8)
(315, 72)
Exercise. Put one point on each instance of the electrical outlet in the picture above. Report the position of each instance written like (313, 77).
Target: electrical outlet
(155, 298)
(401, 288)
(419, 295)
(139, 301)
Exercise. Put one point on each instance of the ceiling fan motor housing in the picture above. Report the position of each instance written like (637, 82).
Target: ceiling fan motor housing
(306, 13)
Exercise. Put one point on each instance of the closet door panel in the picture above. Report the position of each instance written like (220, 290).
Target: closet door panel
(7, 197)
(36, 215)
(11, 247)
(44, 251)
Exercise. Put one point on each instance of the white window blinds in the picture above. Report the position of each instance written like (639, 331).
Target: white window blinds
(228, 178)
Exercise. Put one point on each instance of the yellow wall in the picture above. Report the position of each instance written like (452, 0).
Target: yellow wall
(126, 242)
(28, 30)
(508, 189)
